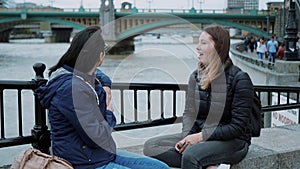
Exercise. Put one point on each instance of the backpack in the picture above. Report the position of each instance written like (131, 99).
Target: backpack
(256, 113)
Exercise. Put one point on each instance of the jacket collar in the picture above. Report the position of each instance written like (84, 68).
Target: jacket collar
(89, 78)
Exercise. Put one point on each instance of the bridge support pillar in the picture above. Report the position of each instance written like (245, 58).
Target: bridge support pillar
(4, 35)
(107, 23)
(59, 35)
(126, 46)
(107, 20)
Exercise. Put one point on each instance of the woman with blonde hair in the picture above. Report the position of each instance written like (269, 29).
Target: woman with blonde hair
(216, 127)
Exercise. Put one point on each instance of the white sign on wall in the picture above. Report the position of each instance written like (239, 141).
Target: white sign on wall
(283, 117)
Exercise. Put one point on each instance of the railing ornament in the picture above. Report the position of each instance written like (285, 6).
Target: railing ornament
(39, 69)
(40, 131)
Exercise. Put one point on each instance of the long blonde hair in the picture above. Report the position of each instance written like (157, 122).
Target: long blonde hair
(209, 72)
(221, 39)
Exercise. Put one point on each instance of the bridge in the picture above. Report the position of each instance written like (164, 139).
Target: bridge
(130, 22)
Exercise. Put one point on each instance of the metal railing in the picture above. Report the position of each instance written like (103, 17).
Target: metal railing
(40, 135)
(148, 88)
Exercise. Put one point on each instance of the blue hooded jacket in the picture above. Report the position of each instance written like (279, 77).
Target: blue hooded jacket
(80, 127)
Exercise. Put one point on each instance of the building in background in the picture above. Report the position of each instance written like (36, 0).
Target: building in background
(238, 7)
(281, 12)
(242, 5)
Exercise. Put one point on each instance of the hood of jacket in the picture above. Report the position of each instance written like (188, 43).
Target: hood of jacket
(47, 92)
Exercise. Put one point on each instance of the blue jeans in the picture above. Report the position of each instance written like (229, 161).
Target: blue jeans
(127, 160)
(260, 55)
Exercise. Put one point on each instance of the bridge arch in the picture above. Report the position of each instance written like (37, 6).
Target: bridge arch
(52, 20)
(174, 21)
(59, 21)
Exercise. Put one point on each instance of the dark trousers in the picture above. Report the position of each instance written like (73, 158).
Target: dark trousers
(206, 153)
(272, 56)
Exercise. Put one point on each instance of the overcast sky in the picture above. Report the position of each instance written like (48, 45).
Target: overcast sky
(168, 4)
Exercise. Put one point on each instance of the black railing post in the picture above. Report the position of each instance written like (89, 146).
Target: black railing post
(291, 38)
(40, 130)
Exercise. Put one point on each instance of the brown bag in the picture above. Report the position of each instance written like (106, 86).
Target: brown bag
(35, 159)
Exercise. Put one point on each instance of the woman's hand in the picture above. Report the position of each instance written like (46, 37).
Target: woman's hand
(181, 146)
(194, 138)
(108, 94)
(188, 141)
(108, 98)
(109, 107)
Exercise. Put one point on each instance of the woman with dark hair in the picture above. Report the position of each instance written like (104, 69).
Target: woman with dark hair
(80, 113)
(216, 126)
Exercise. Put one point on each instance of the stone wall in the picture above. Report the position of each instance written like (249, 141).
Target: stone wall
(284, 73)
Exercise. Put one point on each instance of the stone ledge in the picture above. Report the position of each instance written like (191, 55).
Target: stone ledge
(258, 157)
(276, 148)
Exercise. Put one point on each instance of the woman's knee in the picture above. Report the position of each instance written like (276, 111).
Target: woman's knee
(148, 147)
(188, 157)
(158, 145)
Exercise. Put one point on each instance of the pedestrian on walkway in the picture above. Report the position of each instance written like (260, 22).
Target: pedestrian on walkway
(272, 46)
(252, 44)
(246, 43)
(280, 53)
(261, 49)
(216, 116)
(80, 116)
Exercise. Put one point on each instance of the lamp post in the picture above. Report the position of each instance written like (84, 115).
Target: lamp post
(134, 9)
(149, 4)
(291, 38)
(81, 9)
(193, 10)
(200, 4)
(51, 3)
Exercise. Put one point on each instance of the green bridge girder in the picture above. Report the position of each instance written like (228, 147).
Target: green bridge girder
(186, 16)
(222, 19)
(179, 18)
(52, 20)
(59, 21)
(154, 25)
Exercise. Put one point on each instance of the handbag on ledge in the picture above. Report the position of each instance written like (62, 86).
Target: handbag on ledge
(35, 159)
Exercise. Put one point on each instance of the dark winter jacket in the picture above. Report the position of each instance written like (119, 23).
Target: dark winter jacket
(229, 107)
(80, 128)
